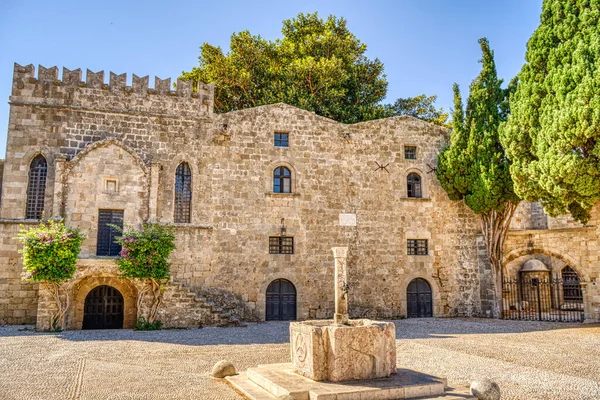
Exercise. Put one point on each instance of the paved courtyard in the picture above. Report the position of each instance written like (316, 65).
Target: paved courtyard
(529, 360)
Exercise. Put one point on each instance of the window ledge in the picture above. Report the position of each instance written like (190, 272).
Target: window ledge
(183, 225)
(273, 194)
(20, 221)
(416, 198)
(192, 226)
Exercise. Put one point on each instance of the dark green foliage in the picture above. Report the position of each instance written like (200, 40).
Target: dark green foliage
(318, 65)
(50, 252)
(552, 135)
(146, 252)
(474, 166)
(421, 107)
(143, 325)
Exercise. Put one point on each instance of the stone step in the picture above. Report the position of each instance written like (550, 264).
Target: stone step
(248, 388)
(280, 379)
(451, 393)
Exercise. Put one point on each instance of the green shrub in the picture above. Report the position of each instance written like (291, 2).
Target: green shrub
(50, 252)
(145, 252)
(143, 325)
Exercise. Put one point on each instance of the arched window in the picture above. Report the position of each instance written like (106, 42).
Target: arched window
(413, 182)
(183, 193)
(36, 188)
(282, 180)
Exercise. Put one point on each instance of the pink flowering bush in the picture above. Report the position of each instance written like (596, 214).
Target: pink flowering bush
(145, 253)
(145, 256)
(50, 251)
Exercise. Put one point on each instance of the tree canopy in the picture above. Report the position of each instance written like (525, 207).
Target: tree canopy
(474, 167)
(318, 65)
(552, 135)
(422, 107)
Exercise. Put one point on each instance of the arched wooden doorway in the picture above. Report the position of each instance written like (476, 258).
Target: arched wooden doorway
(103, 308)
(419, 299)
(281, 301)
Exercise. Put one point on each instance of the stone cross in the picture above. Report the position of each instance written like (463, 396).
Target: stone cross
(341, 285)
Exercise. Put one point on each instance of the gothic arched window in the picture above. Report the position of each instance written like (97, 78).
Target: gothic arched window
(413, 182)
(282, 180)
(36, 188)
(183, 193)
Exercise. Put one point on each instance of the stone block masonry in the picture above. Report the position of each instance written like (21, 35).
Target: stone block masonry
(109, 146)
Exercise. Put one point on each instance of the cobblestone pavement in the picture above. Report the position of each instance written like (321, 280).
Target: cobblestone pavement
(529, 360)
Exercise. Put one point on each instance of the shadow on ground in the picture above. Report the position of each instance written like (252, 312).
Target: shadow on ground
(277, 332)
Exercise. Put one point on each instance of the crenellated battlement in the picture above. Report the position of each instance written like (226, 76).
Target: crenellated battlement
(94, 91)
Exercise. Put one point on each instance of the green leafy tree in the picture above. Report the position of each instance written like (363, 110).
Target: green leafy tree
(318, 65)
(50, 252)
(474, 168)
(422, 107)
(552, 135)
(145, 256)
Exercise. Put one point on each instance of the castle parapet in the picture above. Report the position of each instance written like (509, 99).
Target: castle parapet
(70, 90)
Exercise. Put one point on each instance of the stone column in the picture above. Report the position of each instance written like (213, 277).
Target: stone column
(588, 313)
(153, 191)
(60, 165)
(341, 281)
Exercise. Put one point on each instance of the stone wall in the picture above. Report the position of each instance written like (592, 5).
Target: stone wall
(18, 299)
(90, 132)
(575, 246)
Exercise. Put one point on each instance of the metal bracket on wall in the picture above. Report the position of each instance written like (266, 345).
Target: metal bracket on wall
(381, 166)
(431, 169)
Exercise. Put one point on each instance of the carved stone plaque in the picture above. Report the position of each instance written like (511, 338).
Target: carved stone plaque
(347, 219)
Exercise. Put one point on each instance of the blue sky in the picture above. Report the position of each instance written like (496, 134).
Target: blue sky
(425, 45)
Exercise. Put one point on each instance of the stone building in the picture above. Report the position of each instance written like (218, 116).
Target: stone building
(258, 198)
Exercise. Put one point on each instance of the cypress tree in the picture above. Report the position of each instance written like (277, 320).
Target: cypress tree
(552, 135)
(474, 168)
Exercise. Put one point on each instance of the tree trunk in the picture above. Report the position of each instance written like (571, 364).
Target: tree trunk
(157, 299)
(150, 286)
(57, 321)
(494, 226)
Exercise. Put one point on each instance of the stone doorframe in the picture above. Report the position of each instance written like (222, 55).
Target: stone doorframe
(90, 273)
(436, 297)
(85, 285)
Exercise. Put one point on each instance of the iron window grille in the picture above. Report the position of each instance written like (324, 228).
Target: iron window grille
(183, 194)
(413, 182)
(281, 245)
(410, 152)
(36, 188)
(282, 139)
(282, 180)
(417, 247)
(107, 234)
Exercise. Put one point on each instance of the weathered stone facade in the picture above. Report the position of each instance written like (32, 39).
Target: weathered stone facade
(92, 133)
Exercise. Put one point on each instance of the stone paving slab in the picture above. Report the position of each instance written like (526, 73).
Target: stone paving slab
(529, 360)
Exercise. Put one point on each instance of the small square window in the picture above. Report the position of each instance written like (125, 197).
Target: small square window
(281, 245)
(410, 152)
(282, 139)
(417, 247)
(110, 185)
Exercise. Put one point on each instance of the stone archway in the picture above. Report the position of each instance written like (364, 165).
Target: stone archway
(83, 287)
